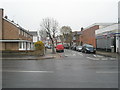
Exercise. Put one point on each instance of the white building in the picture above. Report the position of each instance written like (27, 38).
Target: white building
(108, 38)
(35, 36)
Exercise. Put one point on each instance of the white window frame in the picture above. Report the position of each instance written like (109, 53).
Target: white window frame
(20, 45)
(19, 32)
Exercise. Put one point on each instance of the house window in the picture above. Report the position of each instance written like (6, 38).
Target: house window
(24, 34)
(23, 45)
(19, 32)
(20, 45)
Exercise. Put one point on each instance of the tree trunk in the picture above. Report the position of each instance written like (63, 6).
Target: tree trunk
(53, 50)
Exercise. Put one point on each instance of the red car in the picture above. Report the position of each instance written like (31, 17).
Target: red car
(60, 48)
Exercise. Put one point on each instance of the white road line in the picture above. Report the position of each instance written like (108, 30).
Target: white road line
(74, 54)
(80, 54)
(93, 58)
(109, 72)
(113, 59)
(99, 56)
(28, 71)
(104, 58)
(94, 55)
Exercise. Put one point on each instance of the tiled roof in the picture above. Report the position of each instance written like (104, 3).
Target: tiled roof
(16, 25)
(34, 33)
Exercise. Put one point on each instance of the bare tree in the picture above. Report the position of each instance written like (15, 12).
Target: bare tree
(67, 34)
(42, 34)
(65, 29)
(50, 25)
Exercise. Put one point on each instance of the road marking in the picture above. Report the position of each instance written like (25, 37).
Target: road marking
(80, 54)
(94, 55)
(93, 58)
(28, 71)
(99, 56)
(109, 72)
(104, 58)
(74, 54)
(113, 58)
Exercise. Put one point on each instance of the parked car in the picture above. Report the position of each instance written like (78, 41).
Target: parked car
(86, 48)
(59, 48)
(48, 46)
(73, 47)
(79, 48)
(66, 46)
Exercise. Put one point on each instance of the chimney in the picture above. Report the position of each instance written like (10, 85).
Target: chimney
(81, 28)
(6, 17)
(1, 12)
(1, 25)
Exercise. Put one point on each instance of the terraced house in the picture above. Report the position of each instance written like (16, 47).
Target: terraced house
(13, 36)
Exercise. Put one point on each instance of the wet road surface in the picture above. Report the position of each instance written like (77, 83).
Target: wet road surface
(73, 70)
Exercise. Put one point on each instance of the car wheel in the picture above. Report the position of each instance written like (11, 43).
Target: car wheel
(94, 52)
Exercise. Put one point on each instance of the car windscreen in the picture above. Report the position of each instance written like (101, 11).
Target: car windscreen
(89, 46)
(79, 46)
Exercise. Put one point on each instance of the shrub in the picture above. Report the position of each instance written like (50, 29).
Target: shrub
(39, 45)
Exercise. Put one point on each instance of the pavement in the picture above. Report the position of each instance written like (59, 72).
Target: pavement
(109, 54)
(48, 55)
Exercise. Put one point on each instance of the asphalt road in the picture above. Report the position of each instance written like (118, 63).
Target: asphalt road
(72, 70)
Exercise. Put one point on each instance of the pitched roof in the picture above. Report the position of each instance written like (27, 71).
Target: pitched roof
(16, 25)
(100, 24)
(34, 33)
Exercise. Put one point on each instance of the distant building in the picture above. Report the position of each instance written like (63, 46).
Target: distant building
(13, 36)
(76, 37)
(88, 34)
(35, 36)
(108, 38)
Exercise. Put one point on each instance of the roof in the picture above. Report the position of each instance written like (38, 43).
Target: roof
(100, 24)
(34, 33)
(16, 25)
(107, 29)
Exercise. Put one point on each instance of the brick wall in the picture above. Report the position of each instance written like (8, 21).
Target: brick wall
(1, 15)
(3, 46)
(10, 31)
(88, 36)
(11, 46)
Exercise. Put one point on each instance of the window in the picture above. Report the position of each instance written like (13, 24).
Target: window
(19, 32)
(24, 45)
(20, 45)
(24, 33)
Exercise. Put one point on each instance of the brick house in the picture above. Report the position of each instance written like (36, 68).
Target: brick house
(13, 36)
(76, 37)
(88, 34)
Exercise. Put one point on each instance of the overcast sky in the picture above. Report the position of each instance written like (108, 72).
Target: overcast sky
(73, 13)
